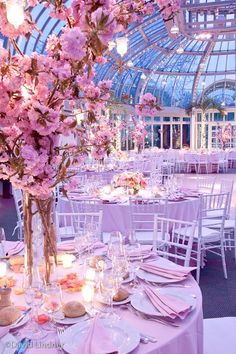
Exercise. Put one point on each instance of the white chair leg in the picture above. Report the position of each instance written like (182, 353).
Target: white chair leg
(223, 259)
(198, 262)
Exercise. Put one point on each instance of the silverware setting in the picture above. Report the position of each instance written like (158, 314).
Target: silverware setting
(148, 317)
(169, 285)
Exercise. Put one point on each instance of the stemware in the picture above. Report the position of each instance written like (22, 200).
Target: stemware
(33, 298)
(109, 285)
(134, 256)
(115, 245)
(52, 298)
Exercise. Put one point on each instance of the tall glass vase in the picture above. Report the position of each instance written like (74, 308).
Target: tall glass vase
(39, 235)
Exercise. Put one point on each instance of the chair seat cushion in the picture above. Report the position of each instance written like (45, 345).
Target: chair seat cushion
(208, 235)
(146, 237)
(215, 213)
(211, 223)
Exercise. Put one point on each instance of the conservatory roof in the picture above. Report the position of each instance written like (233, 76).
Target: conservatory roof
(152, 63)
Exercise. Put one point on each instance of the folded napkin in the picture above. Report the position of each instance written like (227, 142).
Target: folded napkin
(97, 340)
(66, 246)
(179, 273)
(11, 248)
(144, 251)
(3, 331)
(167, 305)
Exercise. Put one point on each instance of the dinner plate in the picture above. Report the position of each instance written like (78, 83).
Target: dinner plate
(141, 302)
(124, 337)
(155, 278)
(115, 303)
(24, 320)
(70, 321)
(8, 344)
(129, 279)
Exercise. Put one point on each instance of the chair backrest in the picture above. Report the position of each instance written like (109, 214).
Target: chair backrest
(18, 199)
(202, 158)
(85, 205)
(69, 225)
(190, 158)
(227, 186)
(142, 213)
(175, 238)
(206, 185)
(212, 205)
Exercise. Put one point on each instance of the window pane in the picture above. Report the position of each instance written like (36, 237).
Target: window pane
(186, 135)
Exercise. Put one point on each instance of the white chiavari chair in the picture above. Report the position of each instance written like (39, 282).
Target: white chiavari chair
(173, 238)
(191, 162)
(206, 185)
(142, 217)
(203, 163)
(68, 225)
(207, 238)
(18, 199)
(85, 205)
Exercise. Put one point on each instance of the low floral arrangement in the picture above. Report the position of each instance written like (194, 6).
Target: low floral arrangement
(131, 180)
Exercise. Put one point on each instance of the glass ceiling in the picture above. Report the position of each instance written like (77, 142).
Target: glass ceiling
(175, 79)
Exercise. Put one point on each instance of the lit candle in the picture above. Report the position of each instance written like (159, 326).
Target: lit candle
(3, 269)
(88, 292)
(67, 260)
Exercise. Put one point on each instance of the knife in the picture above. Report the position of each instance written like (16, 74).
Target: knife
(22, 316)
(22, 346)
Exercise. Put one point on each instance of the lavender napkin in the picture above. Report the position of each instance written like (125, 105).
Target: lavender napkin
(178, 273)
(167, 305)
(97, 340)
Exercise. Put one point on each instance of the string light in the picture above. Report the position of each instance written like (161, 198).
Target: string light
(143, 76)
(130, 64)
(122, 45)
(180, 50)
(15, 12)
(174, 29)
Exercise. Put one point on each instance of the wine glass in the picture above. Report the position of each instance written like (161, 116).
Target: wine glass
(115, 245)
(52, 298)
(120, 265)
(33, 298)
(134, 256)
(109, 285)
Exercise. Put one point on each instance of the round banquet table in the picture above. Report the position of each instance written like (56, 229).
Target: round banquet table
(116, 217)
(185, 339)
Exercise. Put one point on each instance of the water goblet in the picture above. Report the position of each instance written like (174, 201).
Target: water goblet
(34, 298)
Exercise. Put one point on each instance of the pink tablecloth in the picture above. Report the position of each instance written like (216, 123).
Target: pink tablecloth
(116, 217)
(186, 339)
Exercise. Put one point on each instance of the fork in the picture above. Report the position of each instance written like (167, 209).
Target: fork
(149, 318)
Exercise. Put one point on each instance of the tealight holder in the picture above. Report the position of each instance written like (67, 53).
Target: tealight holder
(67, 260)
(5, 297)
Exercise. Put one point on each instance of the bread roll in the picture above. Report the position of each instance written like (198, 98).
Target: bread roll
(16, 260)
(94, 260)
(73, 309)
(9, 315)
(121, 295)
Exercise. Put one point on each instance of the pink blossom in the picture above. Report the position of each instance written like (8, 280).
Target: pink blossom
(73, 42)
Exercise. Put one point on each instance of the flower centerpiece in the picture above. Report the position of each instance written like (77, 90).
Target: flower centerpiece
(224, 135)
(34, 89)
(132, 181)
